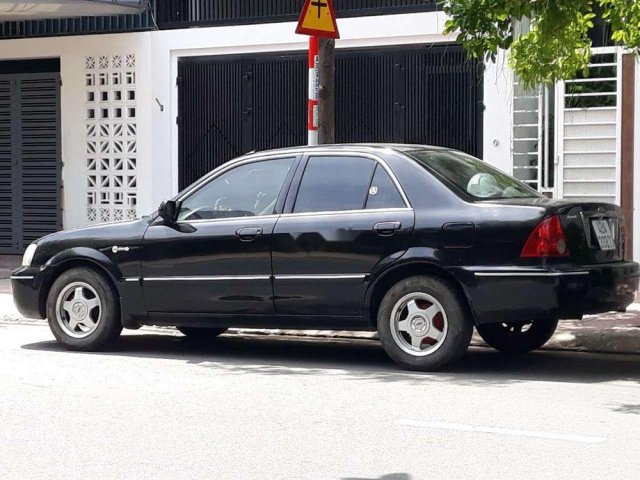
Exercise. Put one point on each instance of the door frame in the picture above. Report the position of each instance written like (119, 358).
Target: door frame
(196, 318)
(16, 153)
(560, 120)
(294, 186)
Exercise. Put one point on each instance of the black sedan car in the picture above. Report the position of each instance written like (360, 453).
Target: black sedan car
(419, 243)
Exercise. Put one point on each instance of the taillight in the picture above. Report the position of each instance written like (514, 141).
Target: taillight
(547, 240)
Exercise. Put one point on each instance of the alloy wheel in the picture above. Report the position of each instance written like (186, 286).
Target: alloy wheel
(418, 324)
(78, 309)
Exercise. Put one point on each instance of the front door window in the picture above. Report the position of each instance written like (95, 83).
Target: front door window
(245, 191)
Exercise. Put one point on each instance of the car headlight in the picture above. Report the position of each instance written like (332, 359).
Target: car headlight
(28, 255)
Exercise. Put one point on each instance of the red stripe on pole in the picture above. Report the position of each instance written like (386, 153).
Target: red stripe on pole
(312, 115)
(313, 51)
(312, 110)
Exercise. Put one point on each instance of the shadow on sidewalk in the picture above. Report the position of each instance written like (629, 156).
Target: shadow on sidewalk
(8, 263)
(364, 360)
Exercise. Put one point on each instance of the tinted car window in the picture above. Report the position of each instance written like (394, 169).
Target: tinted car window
(471, 175)
(382, 192)
(334, 184)
(247, 190)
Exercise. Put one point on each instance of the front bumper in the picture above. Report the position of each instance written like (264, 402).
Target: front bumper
(500, 294)
(25, 284)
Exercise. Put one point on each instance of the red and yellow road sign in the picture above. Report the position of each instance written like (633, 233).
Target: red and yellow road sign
(318, 19)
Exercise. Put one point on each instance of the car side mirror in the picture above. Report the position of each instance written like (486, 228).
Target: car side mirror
(168, 210)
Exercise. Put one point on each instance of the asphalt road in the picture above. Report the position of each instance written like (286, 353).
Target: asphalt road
(161, 407)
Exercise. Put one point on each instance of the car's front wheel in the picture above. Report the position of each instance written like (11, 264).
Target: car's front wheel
(83, 310)
(517, 337)
(423, 324)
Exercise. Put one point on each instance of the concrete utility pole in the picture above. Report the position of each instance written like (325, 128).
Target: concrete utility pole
(318, 20)
(326, 91)
(314, 85)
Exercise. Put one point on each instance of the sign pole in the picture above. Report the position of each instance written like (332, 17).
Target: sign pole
(318, 19)
(312, 111)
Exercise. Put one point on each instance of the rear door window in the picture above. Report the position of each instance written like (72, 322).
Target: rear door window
(382, 192)
(334, 184)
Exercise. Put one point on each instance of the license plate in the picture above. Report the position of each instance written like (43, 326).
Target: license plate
(602, 228)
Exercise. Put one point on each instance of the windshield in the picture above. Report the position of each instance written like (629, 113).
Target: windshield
(471, 175)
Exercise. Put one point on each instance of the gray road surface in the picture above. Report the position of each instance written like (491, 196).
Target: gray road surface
(161, 407)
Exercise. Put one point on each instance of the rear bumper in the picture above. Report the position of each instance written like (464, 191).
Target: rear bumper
(26, 292)
(498, 294)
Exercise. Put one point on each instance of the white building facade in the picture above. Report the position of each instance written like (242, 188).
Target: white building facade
(119, 111)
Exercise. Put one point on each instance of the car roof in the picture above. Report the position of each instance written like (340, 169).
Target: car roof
(332, 147)
(351, 147)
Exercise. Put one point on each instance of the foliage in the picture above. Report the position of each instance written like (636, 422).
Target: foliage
(556, 45)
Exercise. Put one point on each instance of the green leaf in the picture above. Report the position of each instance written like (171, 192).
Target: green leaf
(555, 47)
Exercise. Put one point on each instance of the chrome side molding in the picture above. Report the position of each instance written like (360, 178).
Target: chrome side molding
(217, 278)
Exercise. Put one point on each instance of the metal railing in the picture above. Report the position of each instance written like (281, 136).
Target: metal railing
(169, 14)
(190, 13)
(79, 26)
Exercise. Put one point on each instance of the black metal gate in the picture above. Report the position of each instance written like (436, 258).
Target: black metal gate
(426, 95)
(29, 158)
(231, 105)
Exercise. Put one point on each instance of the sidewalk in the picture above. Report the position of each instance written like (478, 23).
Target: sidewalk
(8, 263)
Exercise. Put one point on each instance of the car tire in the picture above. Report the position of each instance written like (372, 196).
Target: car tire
(423, 324)
(83, 310)
(514, 338)
(201, 333)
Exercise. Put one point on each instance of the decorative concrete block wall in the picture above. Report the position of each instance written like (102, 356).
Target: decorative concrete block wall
(111, 155)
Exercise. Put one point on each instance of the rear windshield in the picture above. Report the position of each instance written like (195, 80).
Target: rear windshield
(471, 176)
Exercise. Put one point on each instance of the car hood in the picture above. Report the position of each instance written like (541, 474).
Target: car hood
(99, 237)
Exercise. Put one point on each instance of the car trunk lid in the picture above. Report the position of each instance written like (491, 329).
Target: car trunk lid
(594, 230)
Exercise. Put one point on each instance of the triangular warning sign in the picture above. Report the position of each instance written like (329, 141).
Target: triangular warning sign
(318, 19)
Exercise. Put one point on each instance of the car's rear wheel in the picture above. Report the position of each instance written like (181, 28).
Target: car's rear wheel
(198, 333)
(423, 324)
(517, 337)
(83, 310)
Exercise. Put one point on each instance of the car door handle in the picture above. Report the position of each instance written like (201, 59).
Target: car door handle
(387, 228)
(248, 233)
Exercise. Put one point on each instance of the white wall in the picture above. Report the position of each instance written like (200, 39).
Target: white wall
(72, 52)
(157, 56)
(498, 102)
(636, 167)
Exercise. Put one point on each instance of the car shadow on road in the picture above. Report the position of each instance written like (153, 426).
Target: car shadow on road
(627, 408)
(364, 359)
